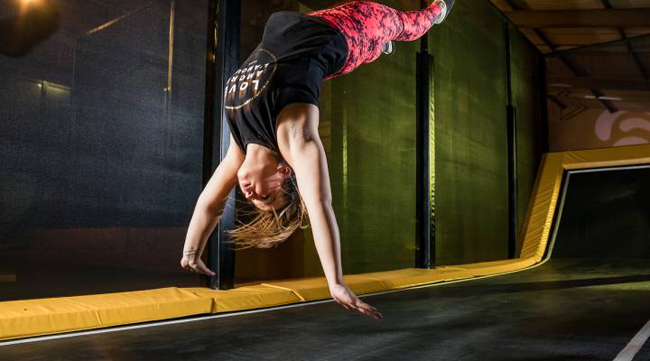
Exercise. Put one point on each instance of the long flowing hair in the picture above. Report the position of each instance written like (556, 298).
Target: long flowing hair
(270, 228)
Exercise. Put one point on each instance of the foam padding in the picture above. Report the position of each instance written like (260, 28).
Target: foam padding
(310, 289)
(411, 277)
(493, 267)
(245, 298)
(38, 317)
(63, 314)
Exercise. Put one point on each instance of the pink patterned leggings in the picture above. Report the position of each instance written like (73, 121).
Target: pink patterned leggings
(367, 26)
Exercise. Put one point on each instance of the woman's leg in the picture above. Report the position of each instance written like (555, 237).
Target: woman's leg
(368, 25)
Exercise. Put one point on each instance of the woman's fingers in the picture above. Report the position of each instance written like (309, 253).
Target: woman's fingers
(205, 270)
(201, 268)
(368, 310)
(196, 266)
(361, 307)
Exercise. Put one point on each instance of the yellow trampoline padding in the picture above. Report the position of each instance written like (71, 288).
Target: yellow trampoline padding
(37, 317)
(63, 314)
(316, 288)
(493, 267)
(411, 277)
(540, 216)
(245, 298)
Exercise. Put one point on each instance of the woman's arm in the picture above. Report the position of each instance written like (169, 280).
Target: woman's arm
(303, 150)
(209, 208)
(310, 165)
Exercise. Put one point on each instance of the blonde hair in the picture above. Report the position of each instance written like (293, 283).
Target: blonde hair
(270, 228)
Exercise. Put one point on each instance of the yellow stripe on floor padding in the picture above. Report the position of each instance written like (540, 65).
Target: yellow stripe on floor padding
(494, 267)
(245, 298)
(63, 314)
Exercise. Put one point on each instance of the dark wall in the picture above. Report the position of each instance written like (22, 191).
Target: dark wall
(471, 150)
(102, 132)
(605, 215)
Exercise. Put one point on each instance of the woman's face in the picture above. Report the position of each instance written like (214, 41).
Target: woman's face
(261, 182)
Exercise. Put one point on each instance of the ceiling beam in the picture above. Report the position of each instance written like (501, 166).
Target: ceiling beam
(587, 82)
(630, 48)
(555, 100)
(635, 56)
(596, 46)
(576, 71)
(605, 18)
(572, 67)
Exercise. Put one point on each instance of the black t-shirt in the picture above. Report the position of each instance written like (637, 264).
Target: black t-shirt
(288, 66)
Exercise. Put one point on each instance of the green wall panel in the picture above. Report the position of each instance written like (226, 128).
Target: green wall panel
(471, 166)
(372, 159)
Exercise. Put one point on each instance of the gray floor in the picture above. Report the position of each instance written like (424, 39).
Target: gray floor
(571, 309)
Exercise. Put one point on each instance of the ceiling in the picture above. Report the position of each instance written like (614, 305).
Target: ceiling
(597, 51)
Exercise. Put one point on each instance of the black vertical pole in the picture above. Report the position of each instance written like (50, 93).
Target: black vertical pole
(512, 154)
(423, 221)
(226, 15)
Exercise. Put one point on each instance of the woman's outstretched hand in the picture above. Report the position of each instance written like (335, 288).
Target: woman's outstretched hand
(346, 298)
(192, 262)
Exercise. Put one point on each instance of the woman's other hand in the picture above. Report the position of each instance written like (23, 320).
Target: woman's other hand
(192, 262)
(346, 298)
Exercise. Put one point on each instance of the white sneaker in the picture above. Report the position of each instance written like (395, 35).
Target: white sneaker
(389, 48)
(446, 6)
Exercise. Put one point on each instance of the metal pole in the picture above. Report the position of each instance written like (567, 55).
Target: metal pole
(512, 154)
(226, 16)
(423, 204)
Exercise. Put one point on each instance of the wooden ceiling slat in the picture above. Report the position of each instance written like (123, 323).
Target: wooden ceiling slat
(580, 37)
(632, 32)
(563, 5)
(581, 18)
(591, 82)
(554, 26)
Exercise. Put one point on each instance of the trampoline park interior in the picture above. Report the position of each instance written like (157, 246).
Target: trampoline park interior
(491, 184)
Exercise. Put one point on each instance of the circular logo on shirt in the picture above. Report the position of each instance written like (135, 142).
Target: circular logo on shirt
(250, 79)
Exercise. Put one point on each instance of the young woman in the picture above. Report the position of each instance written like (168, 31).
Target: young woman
(275, 152)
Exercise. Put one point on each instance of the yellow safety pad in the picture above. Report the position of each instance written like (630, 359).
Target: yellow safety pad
(493, 267)
(63, 314)
(410, 277)
(7, 277)
(608, 157)
(539, 218)
(542, 207)
(246, 298)
(311, 289)
(316, 288)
